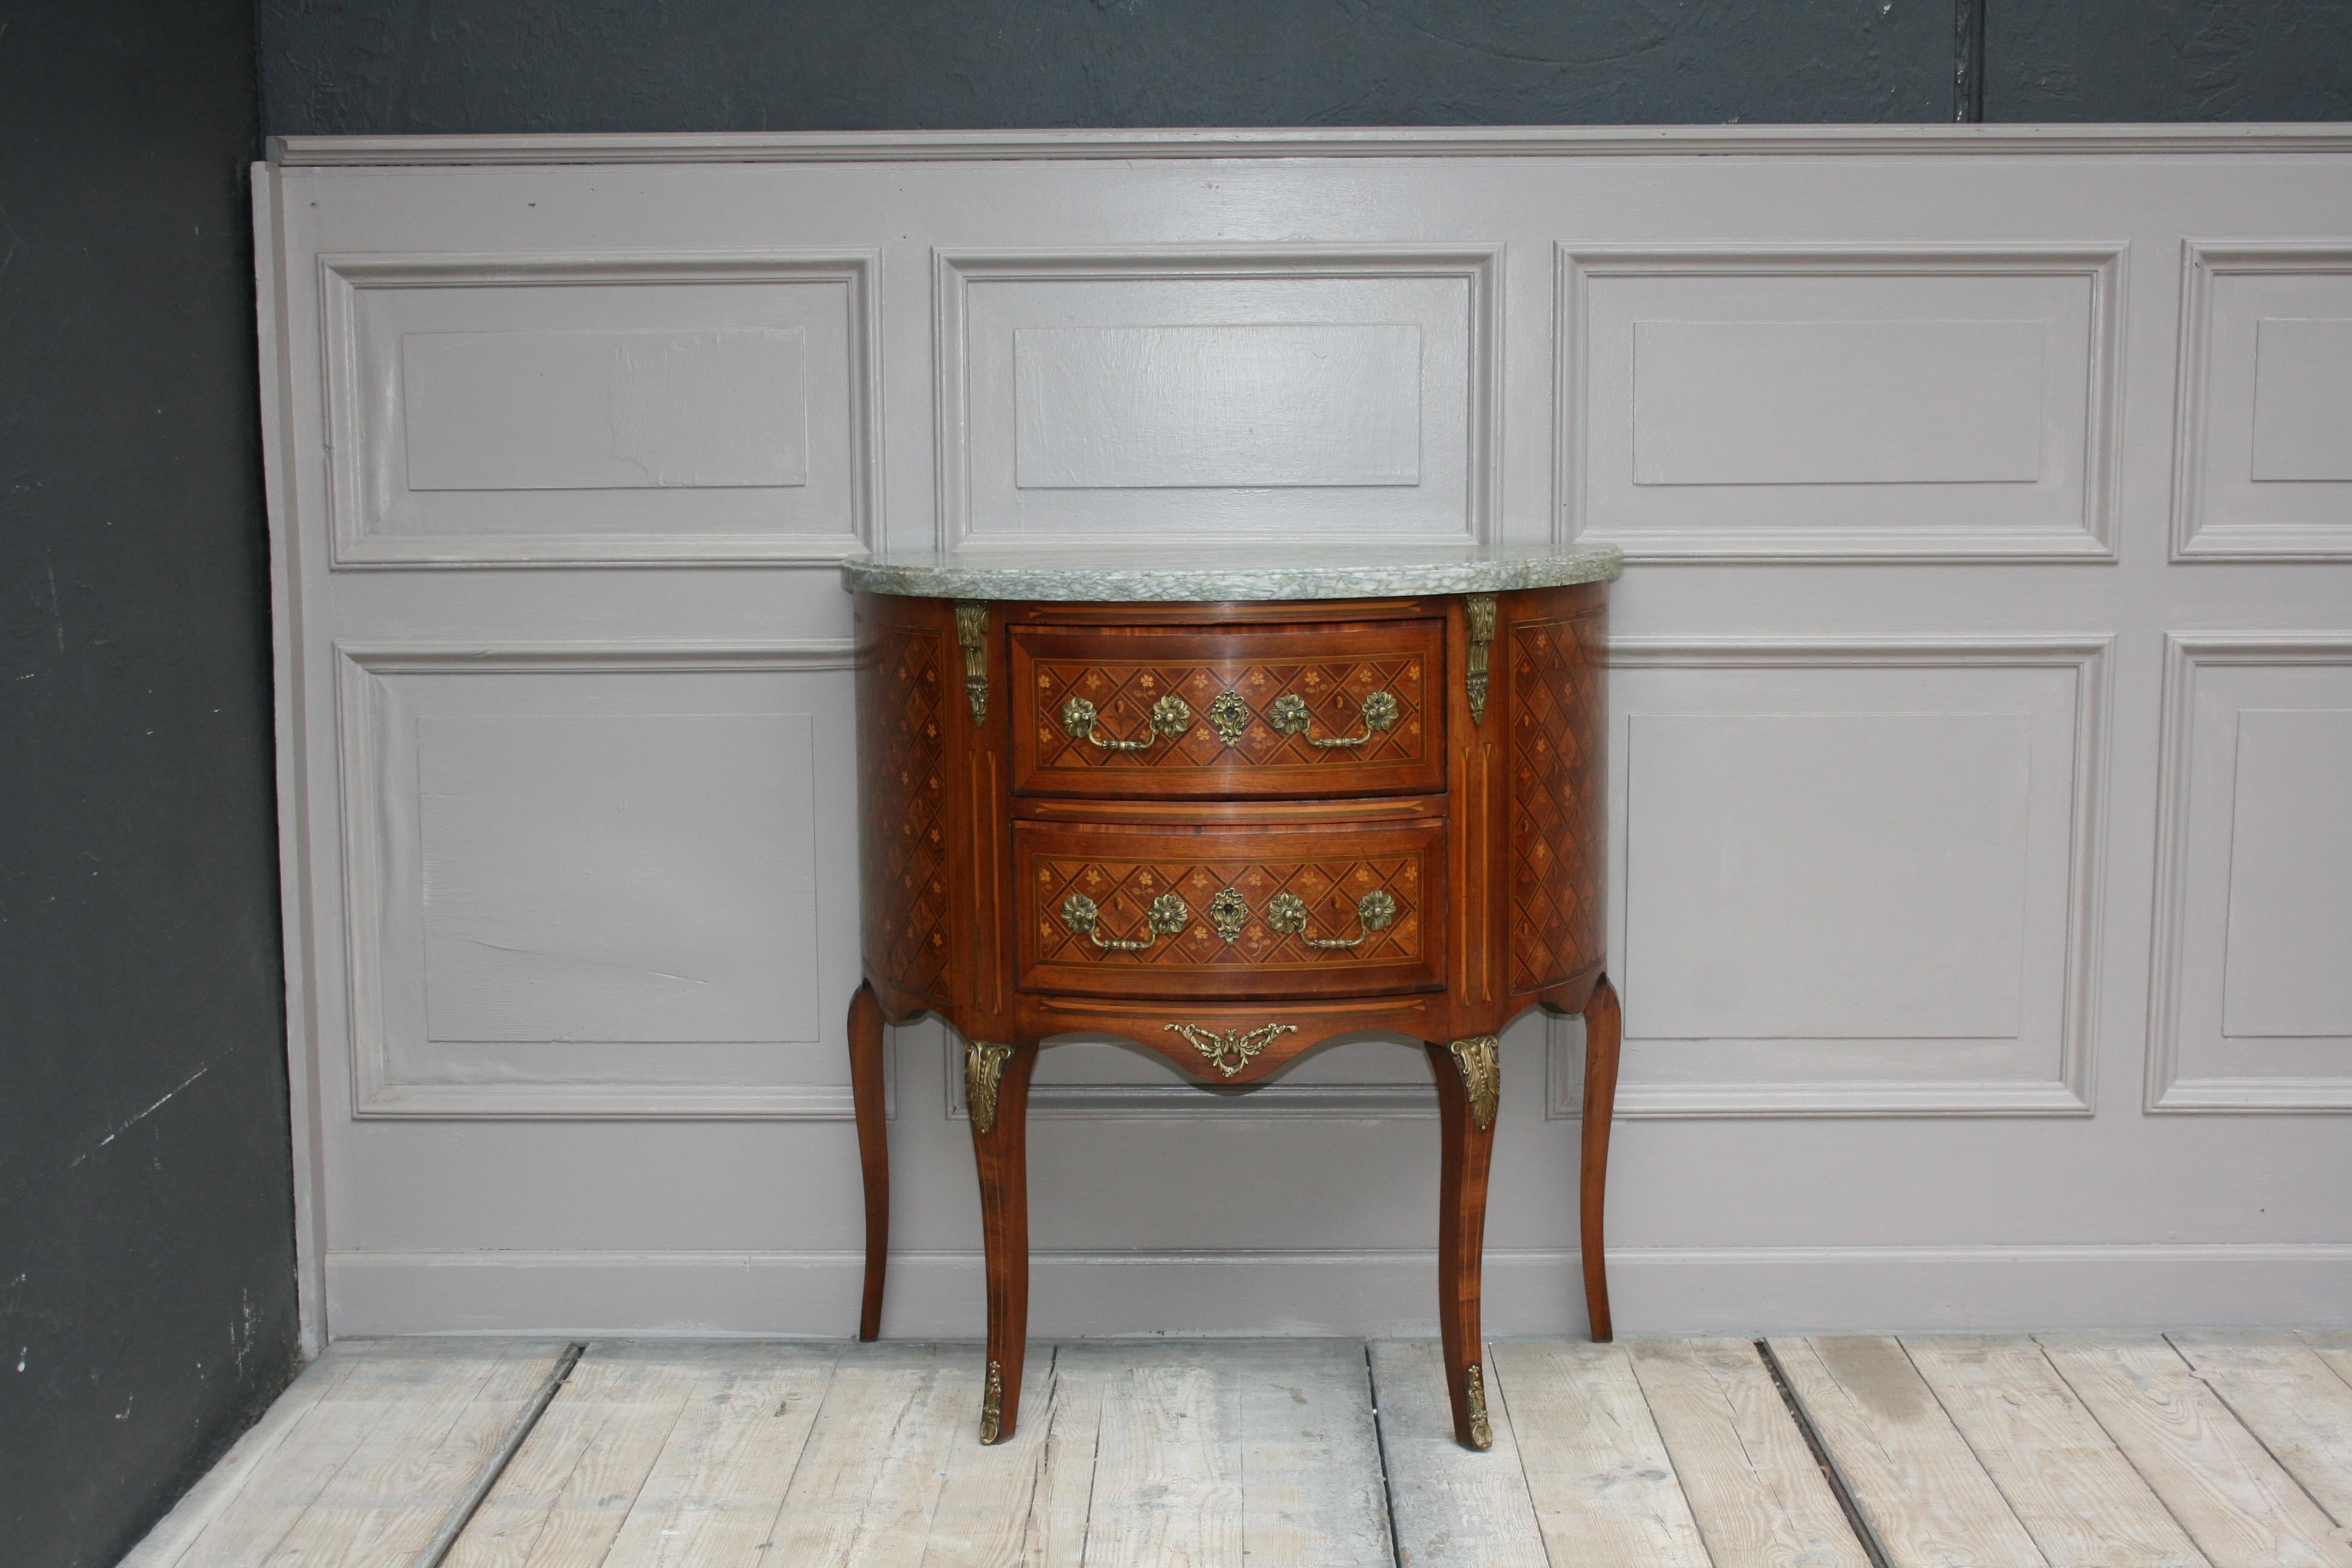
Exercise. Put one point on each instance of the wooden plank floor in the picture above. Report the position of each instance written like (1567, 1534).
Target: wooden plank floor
(2206, 1450)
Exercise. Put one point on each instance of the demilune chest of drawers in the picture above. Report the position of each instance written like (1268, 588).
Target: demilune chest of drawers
(1231, 806)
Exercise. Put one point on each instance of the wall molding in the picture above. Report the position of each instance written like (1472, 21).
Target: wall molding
(954, 271)
(2166, 1092)
(2195, 537)
(375, 1095)
(1464, 142)
(2071, 1092)
(352, 547)
(941, 1294)
(2091, 538)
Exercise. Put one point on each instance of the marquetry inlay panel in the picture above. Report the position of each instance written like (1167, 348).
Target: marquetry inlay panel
(1557, 798)
(903, 684)
(1396, 869)
(1305, 715)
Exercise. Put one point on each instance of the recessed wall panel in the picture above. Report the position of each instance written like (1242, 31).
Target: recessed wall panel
(2303, 400)
(2288, 969)
(2253, 985)
(638, 880)
(1836, 403)
(1828, 875)
(551, 410)
(1216, 407)
(1165, 395)
(2263, 438)
(1853, 878)
(605, 411)
(598, 887)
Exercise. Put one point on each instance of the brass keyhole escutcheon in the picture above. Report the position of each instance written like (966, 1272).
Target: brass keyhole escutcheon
(1229, 911)
(1228, 715)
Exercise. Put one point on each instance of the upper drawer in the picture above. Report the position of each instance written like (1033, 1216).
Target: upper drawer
(1341, 709)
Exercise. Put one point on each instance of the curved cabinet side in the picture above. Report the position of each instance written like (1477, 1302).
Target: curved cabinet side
(909, 671)
(1557, 651)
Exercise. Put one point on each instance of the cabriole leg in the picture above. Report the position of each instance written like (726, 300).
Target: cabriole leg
(1469, 1083)
(873, 1148)
(996, 1088)
(1603, 1028)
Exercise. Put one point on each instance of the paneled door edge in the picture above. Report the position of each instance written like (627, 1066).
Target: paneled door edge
(279, 488)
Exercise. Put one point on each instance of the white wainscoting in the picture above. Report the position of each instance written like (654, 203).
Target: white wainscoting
(1968, 824)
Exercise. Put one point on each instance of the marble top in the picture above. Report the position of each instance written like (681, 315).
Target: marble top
(1213, 571)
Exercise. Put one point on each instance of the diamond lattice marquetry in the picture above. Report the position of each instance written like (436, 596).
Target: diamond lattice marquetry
(1557, 800)
(1335, 692)
(1123, 892)
(905, 822)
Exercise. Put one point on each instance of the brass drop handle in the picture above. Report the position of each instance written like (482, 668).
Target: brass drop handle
(1286, 912)
(1171, 716)
(1290, 715)
(1168, 915)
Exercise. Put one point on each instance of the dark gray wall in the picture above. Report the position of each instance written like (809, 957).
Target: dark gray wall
(371, 65)
(2169, 59)
(146, 1226)
(749, 65)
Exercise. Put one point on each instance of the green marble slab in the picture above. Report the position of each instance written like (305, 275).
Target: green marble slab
(1224, 572)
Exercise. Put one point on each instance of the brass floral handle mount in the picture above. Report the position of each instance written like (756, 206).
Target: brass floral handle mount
(1172, 716)
(1168, 915)
(1286, 912)
(1291, 716)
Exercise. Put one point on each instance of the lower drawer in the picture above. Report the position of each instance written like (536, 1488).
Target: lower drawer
(1231, 910)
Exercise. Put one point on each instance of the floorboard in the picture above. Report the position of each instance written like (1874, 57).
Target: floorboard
(1451, 1507)
(1918, 1486)
(565, 1494)
(2199, 1450)
(359, 1461)
(1603, 1485)
(2235, 1501)
(2067, 1482)
(1755, 1491)
(2291, 1399)
(716, 1489)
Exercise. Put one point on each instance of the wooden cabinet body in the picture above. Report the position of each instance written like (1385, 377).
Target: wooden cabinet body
(1232, 833)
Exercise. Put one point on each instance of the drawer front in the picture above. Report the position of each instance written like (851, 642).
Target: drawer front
(1231, 911)
(1273, 711)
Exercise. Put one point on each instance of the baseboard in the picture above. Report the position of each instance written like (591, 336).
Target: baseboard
(1662, 1290)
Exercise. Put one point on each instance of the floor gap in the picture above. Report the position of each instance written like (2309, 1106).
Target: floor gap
(1838, 1489)
(1381, 1448)
(461, 1513)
